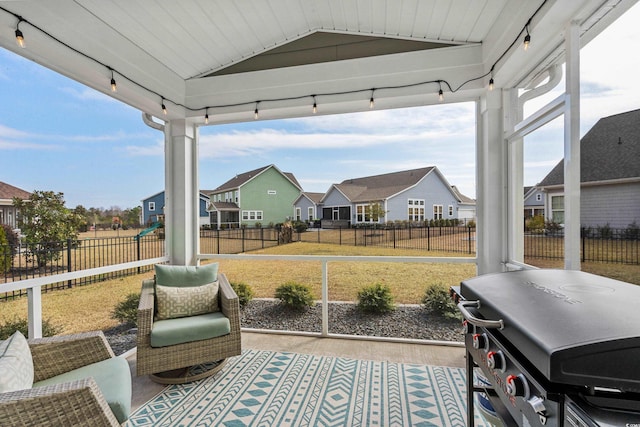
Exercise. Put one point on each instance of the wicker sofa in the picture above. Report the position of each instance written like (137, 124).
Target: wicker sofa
(154, 359)
(78, 381)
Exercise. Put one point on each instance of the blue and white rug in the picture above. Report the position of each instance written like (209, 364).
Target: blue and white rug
(263, 388)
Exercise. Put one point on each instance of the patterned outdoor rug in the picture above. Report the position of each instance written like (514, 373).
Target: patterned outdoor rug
(263, 388)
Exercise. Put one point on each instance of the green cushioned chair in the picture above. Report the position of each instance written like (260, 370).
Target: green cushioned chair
(77, 381)
(178, 330)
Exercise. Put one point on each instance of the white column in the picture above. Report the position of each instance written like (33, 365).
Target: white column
(572, 150)
(491, 195)
(182, 199)
(515, 180)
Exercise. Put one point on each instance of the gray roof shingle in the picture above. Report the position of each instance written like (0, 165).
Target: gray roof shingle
(609, 151)
(8, 191)
(380, 187)
(242, 178)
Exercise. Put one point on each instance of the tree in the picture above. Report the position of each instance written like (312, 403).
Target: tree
(5, 252)
(46, 224)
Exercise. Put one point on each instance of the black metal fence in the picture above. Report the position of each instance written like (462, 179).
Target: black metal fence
(45, 259)
(237, 240)
(459, 239)
(604, 244)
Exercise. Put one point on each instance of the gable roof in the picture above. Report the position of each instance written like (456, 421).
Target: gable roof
(461, 197)
(8, 192)
(381, 187)
(609, 151)
(315, 198)
(241, 179)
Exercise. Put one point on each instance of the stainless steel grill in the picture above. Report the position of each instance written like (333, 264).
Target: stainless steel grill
(558, 347)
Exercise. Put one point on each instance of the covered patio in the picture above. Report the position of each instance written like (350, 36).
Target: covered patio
(185, 65)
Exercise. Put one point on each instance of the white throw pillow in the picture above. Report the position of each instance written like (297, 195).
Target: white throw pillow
(16, 364)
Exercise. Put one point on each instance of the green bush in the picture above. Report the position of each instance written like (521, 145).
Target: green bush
(437, 300)
(126, 311)
(244, 292)
(17, 324)
(5, 252)
(294, 295)
(376, 299)
(300, 226)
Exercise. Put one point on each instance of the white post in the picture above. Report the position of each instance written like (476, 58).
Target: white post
(34, 311)
(491, 171)
(325, 299)
(182, 196)
(572, 150)
(515, 181)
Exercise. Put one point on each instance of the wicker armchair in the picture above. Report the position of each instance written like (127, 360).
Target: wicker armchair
(74, 403)
(179, 358)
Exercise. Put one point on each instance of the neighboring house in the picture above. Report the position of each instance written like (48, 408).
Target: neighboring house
(609, 175)
(466, 207)
(534, 199)
(263, 195)
(8, 213)
(307, 206)
(413, 195)
(153, 209)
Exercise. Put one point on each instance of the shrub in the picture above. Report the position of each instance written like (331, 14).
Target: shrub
(244, 292)
(126, 311)
(376, 299)
(437, 300)
(300, 226)
(18, 324)
(535, 224)
(294, 295)
(6, 255)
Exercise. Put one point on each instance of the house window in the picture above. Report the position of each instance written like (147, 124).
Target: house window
(368, 213)
(437, 211)
(252, 215)
(152, 206)
(272, 192)
(450, 210)
(236, 196)
(557, 209)
(310, 213)
(538, 197)
(415, 209)
(298, 214)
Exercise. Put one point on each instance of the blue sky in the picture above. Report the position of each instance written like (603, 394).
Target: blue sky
(58, 135)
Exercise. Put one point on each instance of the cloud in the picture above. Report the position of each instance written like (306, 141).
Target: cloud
(156, 149)
(84, 93)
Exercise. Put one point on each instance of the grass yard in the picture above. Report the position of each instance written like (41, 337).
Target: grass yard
(89, 307)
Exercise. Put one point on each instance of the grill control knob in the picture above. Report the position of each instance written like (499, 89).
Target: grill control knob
(480, 342)
(468, 328)
(518, 386)
(495, 360)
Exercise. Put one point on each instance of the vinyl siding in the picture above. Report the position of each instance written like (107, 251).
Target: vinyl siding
(617, 205)
(269, 192)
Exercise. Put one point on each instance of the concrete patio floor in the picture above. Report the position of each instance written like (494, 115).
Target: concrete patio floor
(425, 354)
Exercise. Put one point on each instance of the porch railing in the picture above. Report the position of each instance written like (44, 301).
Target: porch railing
(34, 286)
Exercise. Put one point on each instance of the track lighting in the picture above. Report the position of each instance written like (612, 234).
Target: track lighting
(19, 35)
(113, 83)
(315, 106)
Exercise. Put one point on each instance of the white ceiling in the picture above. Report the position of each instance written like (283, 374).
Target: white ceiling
(227, 55)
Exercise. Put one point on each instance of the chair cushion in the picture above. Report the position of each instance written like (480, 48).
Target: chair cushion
(16, 364)
(173, 302)
(187, 329)
(113, 377)
(186, 275)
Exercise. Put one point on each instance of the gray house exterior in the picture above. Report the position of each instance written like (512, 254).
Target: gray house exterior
(534, 199)
(414, 195)
(8, 213)
(307, 207)
(609, 175)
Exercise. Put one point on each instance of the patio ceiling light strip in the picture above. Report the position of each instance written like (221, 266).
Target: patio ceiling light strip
(527, 41)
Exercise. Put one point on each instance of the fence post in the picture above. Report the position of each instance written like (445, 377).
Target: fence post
(262, 236)
(428, 238)
(582, 233)
(243, 237)
(394, 237)
(138, 250)
(218, 241)
(469, 237)
(69, 269)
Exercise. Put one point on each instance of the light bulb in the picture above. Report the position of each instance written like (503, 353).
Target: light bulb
(371, 104)
(440, 95)
(491, 83)
(206, 119)
(164, 109)
(315, 108)
(20, 38)
(255, 114)
(527, 40)
(113, 85)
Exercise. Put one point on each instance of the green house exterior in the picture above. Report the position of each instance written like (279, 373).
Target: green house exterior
(263, 196)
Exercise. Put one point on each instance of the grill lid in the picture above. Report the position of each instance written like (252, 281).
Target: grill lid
(574, 327)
